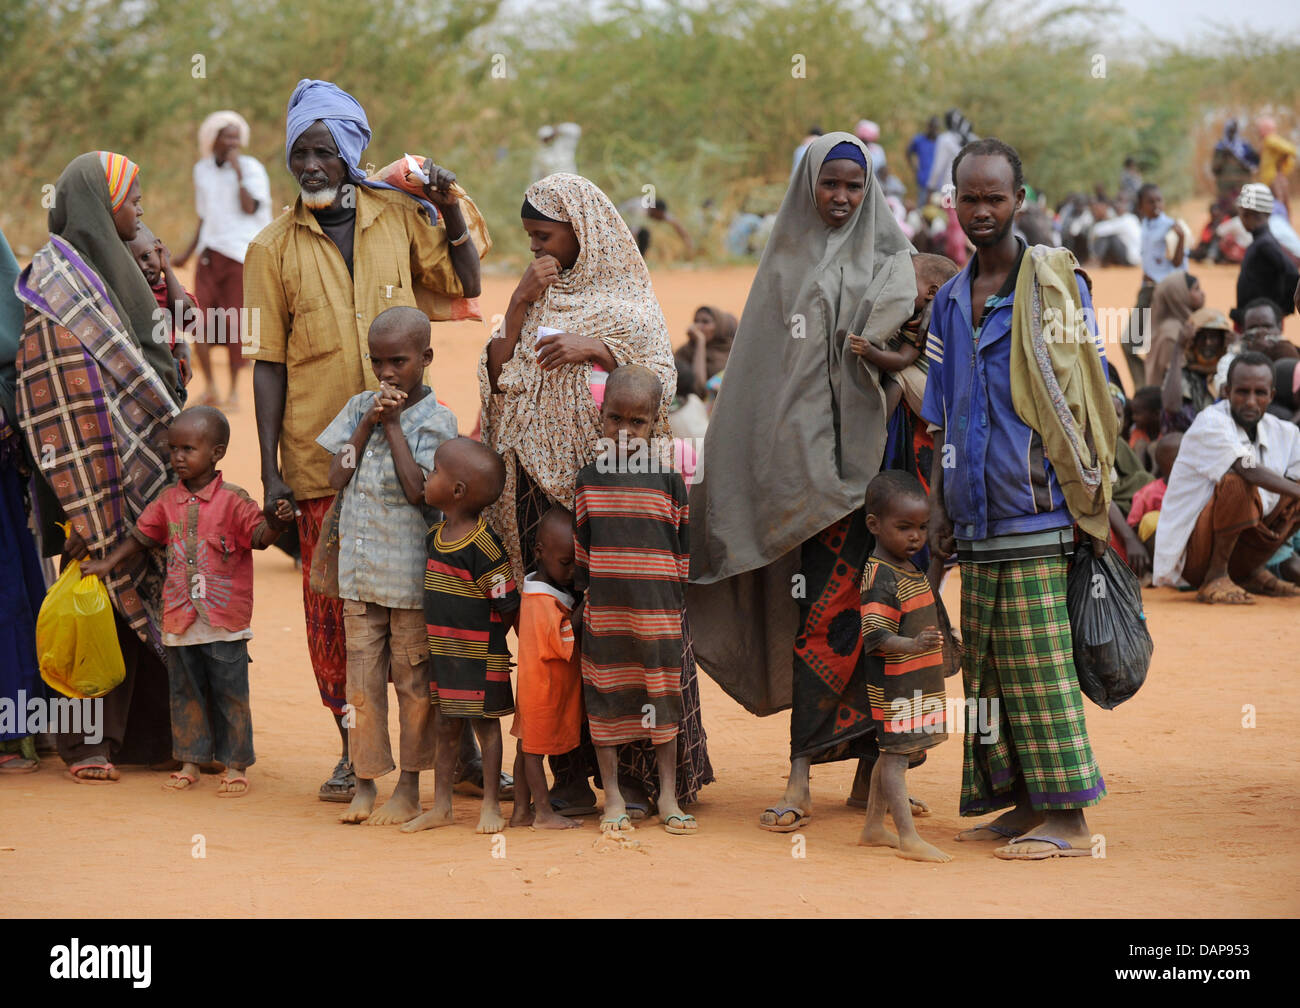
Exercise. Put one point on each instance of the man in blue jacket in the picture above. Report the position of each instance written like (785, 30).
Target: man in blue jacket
(996, 502)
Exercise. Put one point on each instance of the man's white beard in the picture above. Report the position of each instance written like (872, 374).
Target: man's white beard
(320, 199)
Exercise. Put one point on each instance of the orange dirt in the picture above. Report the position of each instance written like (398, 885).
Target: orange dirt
(1199, 819)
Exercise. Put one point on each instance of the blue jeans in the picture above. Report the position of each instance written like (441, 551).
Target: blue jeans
(211, 718)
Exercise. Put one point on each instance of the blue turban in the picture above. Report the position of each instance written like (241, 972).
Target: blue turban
(346, 120)
(846, 150)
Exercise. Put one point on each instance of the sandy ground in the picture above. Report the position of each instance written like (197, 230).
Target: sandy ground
(1199, 820)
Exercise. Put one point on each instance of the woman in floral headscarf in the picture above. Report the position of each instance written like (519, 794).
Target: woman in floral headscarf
(583, 307)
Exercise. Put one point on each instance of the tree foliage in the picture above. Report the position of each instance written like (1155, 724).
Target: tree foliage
(704, 100)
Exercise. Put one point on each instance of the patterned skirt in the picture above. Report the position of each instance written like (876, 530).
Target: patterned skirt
(324, 615)
(1026, 723)
(830, 719)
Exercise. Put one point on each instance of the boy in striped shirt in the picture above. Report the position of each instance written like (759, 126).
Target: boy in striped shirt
(470, 600)
(632, 557)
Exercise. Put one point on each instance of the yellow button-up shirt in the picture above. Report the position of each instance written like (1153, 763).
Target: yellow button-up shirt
(308, 313)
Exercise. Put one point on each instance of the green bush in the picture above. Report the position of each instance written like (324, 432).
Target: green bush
(703, 100)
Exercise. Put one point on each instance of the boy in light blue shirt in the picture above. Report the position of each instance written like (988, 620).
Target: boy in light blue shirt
(383, 443)
(1156, 265)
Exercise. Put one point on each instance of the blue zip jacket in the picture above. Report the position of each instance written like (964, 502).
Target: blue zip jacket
(997, 480)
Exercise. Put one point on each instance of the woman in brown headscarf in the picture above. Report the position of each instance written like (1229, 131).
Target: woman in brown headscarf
(711, 335)
(584, 306)
(1172, 303)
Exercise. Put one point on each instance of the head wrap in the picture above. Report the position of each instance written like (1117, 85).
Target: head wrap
(530, 212)
(1171, 304)
(346, 120)
(547, 421)
(214, 124)
(867, 131)
(119, 172)
(1256, 196)
(959, 124)
(718, 348)
(847, 151)
(1233, 142)
(82, 216)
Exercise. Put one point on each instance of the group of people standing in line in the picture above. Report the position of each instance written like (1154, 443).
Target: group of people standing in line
(857, 445)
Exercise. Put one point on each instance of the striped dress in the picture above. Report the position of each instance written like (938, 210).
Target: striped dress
(632, 558)
(905, 691)
(468, 589)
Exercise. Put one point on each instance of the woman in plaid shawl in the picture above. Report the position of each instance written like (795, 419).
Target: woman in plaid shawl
(95, 394)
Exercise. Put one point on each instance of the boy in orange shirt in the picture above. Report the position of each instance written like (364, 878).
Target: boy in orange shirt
(548, 700)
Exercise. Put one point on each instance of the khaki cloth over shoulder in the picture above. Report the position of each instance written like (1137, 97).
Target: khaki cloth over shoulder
(1058, 384)
(309, 314)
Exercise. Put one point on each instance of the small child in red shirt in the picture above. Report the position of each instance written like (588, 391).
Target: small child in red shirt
(208, 528)
(1144, 514)
(548, 700)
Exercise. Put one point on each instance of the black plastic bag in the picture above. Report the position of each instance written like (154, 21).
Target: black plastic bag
(1112, 645)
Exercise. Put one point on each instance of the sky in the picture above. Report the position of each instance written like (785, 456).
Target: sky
(1189, 20)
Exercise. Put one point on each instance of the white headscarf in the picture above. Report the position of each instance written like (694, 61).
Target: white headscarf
(214, 124)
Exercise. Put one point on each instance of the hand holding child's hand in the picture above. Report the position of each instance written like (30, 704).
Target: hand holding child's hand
(927, 640)
(283, 510)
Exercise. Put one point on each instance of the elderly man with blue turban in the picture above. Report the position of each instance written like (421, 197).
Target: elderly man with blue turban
(314, 280)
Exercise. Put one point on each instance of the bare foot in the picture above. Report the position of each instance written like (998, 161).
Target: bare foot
(490, 819)
(1224, 591)
(362, 803)
(877, 836)
(401, 807)
(555, 821)
(522, 815)
(916, 849)
(439, 815)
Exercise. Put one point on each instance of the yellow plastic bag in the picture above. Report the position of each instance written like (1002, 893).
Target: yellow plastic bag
(76, 637)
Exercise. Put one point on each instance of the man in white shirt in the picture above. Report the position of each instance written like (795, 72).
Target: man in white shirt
(232, 195)
(1233, 498)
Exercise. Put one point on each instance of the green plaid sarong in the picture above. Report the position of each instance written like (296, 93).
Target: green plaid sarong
(1019, 652)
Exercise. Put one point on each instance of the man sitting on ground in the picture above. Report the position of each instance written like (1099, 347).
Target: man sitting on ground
(1233, 498)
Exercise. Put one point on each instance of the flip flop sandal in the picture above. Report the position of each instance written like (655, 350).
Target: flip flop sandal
(225, 792)
(17, 763)
(998, 831)
(619, 824)
(1063, 849)
(343, 778)
(802, 819)
(112, 777)
(560, 806)
(180, 777)
(680, 830)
